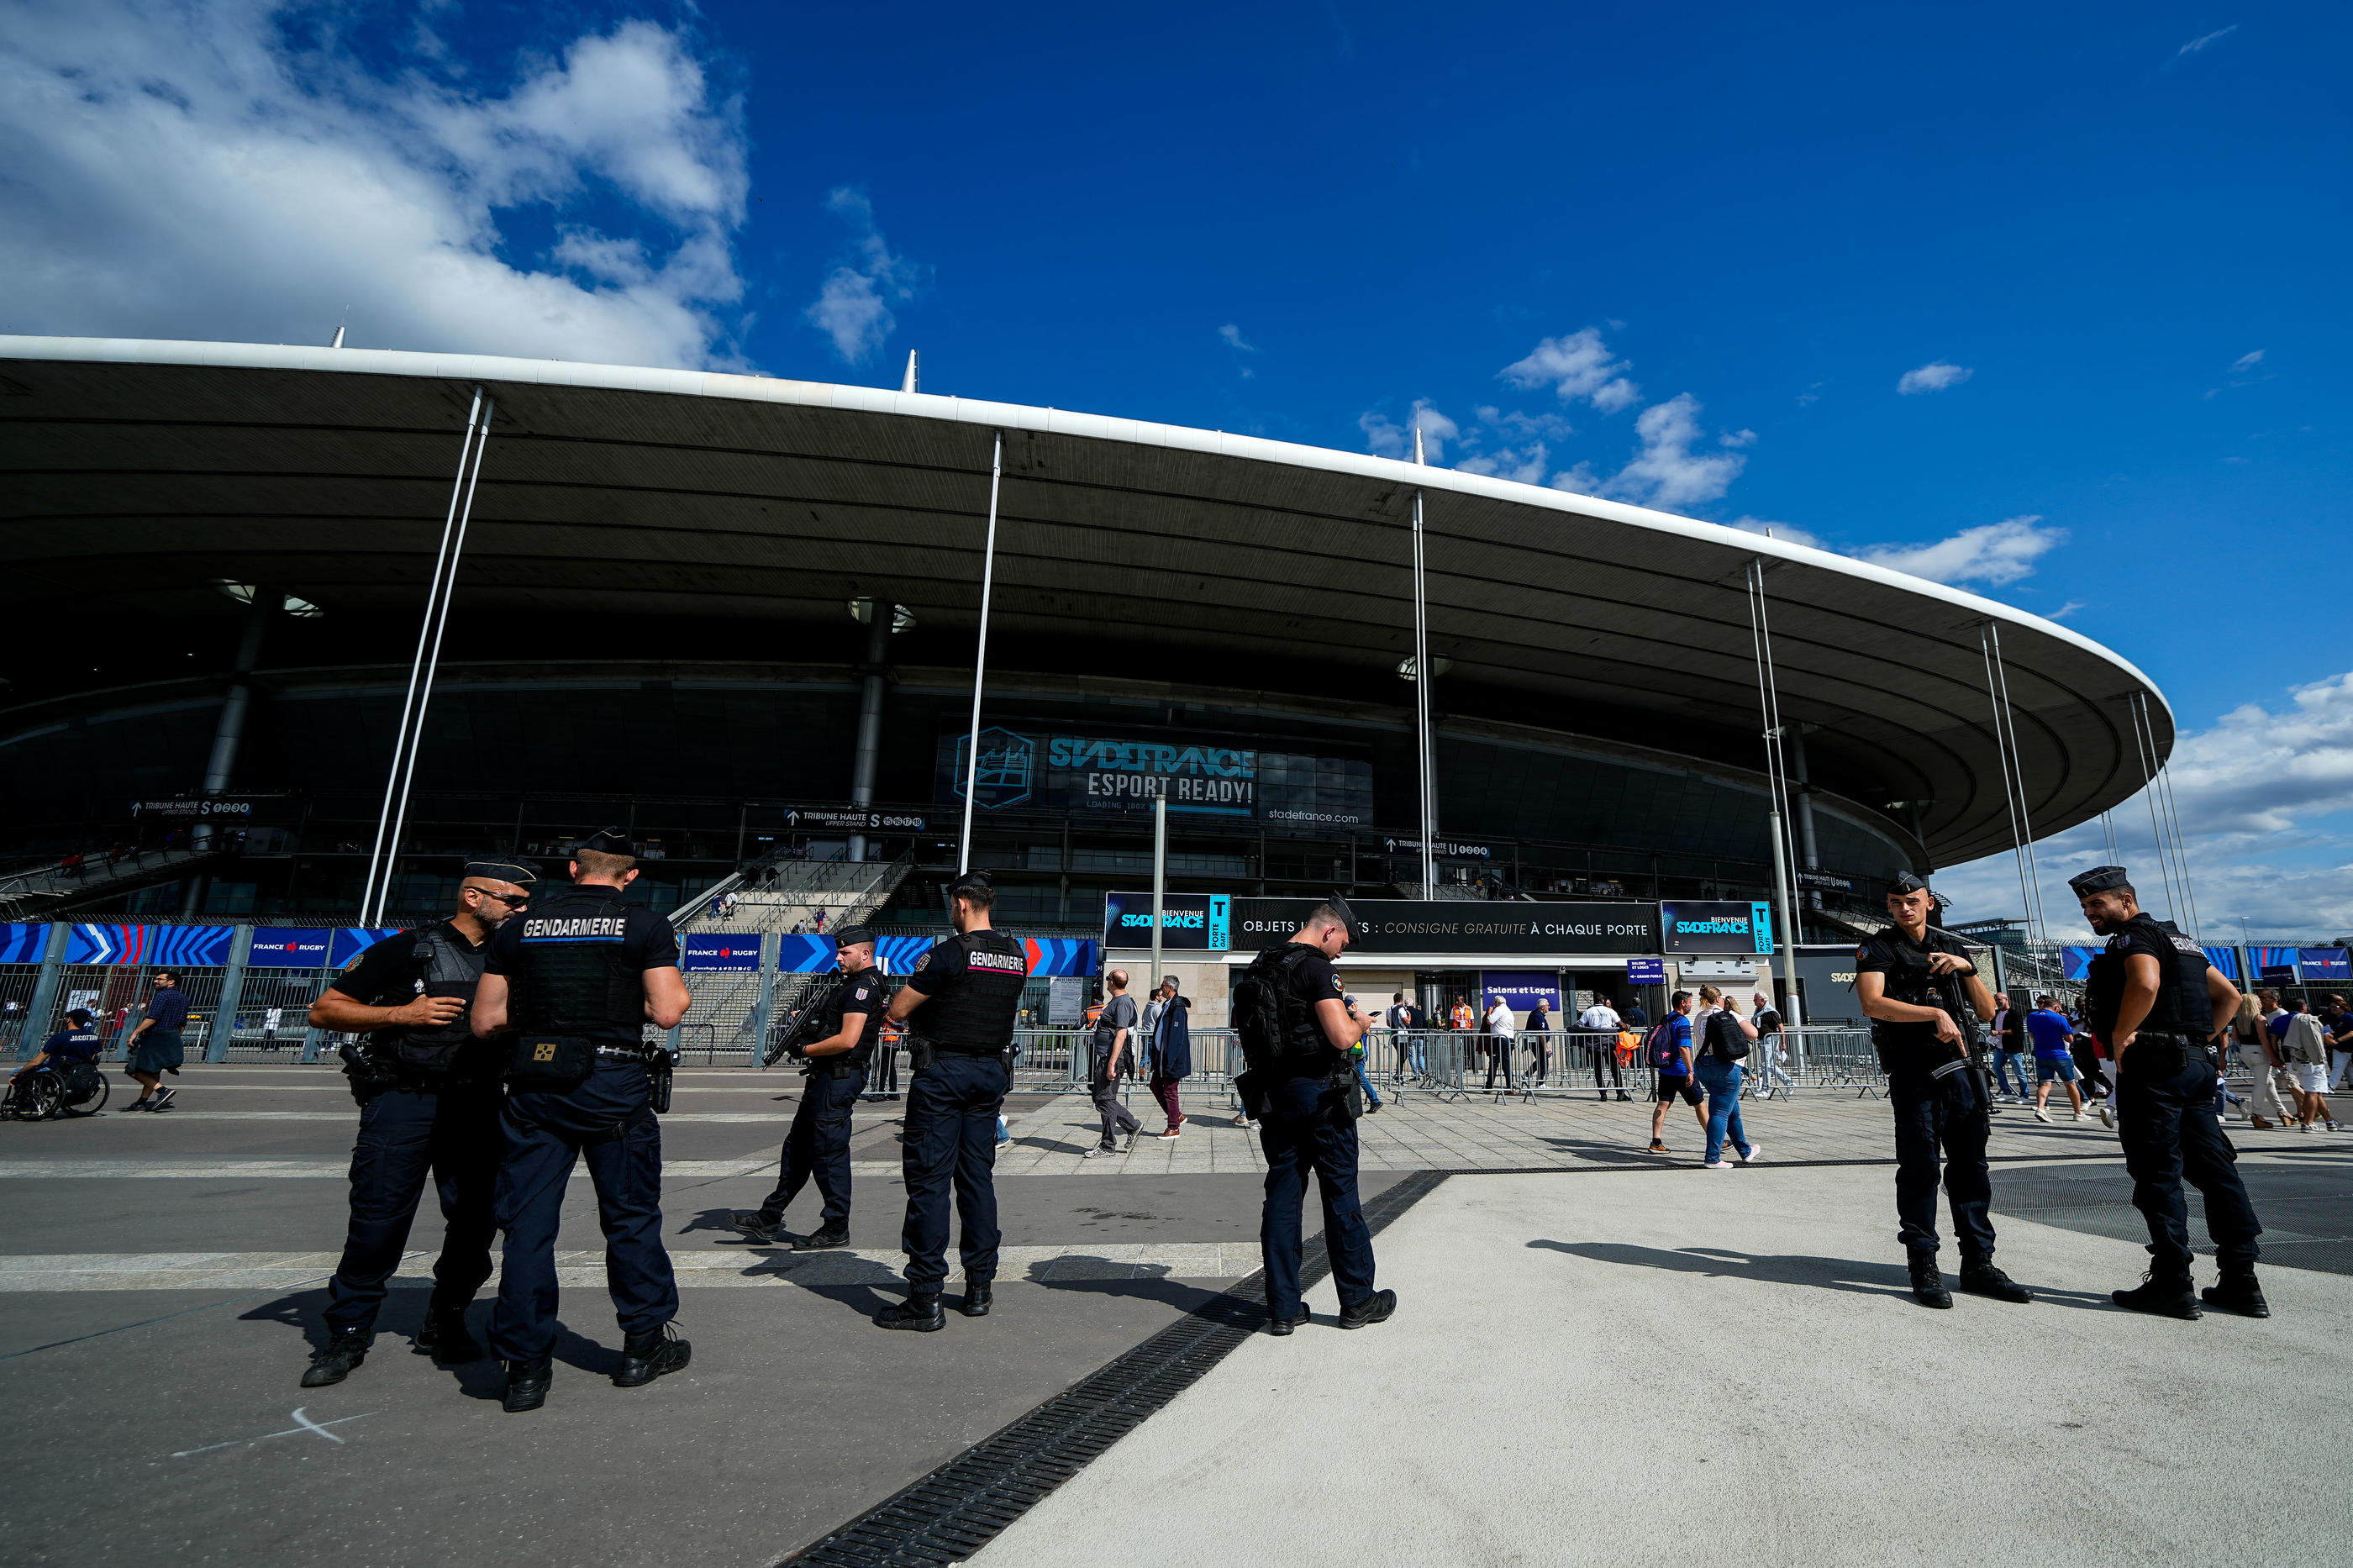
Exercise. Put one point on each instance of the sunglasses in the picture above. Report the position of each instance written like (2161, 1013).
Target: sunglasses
(512, 900)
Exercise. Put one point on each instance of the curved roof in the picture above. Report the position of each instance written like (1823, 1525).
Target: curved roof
(165, 466)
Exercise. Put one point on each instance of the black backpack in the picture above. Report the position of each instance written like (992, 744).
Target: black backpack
(1725, 1043)
(1256, 1005)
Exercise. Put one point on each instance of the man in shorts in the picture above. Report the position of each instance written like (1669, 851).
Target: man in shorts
(154, 1046)
(2050, 1034)
(1676, 1080)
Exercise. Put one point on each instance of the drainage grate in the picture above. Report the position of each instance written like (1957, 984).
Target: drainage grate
(956, 1510)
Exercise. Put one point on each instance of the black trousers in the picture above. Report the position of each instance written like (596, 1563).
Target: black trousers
(406, 1135)
(1498, 1051)
(951, 1141)
(819, 1146)
(2165, 1118)
(1605, 1054)
(1945, 1114)
(1308, 1130)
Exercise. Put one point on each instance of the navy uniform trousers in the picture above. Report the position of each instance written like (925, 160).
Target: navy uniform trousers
(1946, 1114)
(2165, 1118)
(951, 1138)
(406, 1135)
(1308, 1129)
(545, 1133)
(819, 1146)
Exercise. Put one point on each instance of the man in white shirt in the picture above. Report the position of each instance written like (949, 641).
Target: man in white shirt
(1601, 1023)
(1504, 1028)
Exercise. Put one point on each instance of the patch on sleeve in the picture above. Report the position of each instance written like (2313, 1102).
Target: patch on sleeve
(921, 961)
(1860, 953)
(1338, 989)
(863, 993)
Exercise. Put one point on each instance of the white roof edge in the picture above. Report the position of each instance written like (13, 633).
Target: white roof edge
(1018, 416)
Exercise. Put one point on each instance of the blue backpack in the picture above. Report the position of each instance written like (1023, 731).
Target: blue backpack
(1658, 1048)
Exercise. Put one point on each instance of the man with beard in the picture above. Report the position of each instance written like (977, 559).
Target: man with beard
(1904, 980)
(429, 1096)
(2166, 1011)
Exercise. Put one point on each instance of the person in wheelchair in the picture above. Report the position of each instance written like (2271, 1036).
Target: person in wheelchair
(63, 1079)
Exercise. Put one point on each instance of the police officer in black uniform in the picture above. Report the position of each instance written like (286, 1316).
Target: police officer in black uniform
(959, 1006)
(1912, 980)
(834, 1063)
(575, 981)
(428, 1093)
(1302, 1101)
(2161, 1014)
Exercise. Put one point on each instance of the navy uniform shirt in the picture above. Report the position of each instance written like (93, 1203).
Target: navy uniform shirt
(387, 974)
(72, 1046)
(866, 993)
(648, 940)
(1879, 955)
(1313, 979)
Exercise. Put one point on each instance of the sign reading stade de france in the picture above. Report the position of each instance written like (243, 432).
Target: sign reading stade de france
(1200, 775)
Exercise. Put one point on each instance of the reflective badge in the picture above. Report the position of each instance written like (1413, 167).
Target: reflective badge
(1336, 988)
(862, 993)
(923, 961)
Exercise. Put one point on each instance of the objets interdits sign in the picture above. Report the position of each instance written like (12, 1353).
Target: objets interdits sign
(1390, 925)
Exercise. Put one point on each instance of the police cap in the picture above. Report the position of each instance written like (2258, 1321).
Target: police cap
(514, 871)
(2099, 879)
(606, 841)
(1339, 906)
(1906, 882)
(851, 936)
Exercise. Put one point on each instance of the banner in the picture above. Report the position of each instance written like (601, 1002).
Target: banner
(721, 952)
(24, 942)
(897, 955)
(1521, 989)
(352, 940)
(2323, 964)
(1472, 928)
(289, 947)
(1189, 921)
(1198, 775)
(1703, 927)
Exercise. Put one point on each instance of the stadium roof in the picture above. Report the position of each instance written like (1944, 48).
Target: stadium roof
(166, 467)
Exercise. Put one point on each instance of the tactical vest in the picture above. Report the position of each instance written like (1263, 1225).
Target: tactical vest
(575, 980)
(1302, 1033)
(1912, 984)
(2182, 1006)
(857, 1057)
(450, 968)
(976, 1016)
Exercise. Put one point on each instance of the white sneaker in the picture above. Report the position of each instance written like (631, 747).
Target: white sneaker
(2303, 1127)
(1714, 1165)
(2082, 1116)
(1755, 1152)
(2043, 1116)
(2107, 1114)
(1098, 1151)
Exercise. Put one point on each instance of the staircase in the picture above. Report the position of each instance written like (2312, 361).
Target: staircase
(43, 891)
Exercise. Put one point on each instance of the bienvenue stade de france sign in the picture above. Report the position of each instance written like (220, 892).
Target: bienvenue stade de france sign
(1390, 925)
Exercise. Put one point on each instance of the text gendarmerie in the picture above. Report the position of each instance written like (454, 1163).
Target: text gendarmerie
(582, 929)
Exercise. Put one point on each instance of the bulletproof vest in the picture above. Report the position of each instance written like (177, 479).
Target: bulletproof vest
(449, 968)
(837, 1008)
(1911, 982)
(2181, 1007)
(1302, 1035)
(976, 1016)
(575, 980)
(2104, 992)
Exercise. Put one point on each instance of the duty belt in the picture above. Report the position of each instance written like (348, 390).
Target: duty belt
(637, 1053)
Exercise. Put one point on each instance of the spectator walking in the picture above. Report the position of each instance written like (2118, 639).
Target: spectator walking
(1404, 1022)
(1113, 1048)
(1357, 1060)
(2051, 1037)
(2250, 1037)
(1726, 1042)
(1601, 1023)
(2012, 1052)
(1172, 1052)
(1772, 1048)
(1503, 1033)
(2339, 1022)
(154, 1046)
(1539, 1043)
(2304, 1049)
(1675, 1071)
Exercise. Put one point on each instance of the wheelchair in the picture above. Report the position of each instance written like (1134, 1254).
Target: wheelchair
(48, 1093)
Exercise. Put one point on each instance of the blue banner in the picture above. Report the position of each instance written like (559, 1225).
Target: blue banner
(2323, 964)
(291, 947)
(722, 953)
(2075, 962)
(24, 942)
(1522, 988)
(797, 954)
(352, 940)
(1065, 955)
(2225, 959)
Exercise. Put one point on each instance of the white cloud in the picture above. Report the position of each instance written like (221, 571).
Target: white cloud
(1666, 472)
(1389, 438)
(2262, 794)
(853, 306)
(1994, 554)
(1789, 532)
(1577, 367)
(1525, 464)
(2194, 45)
(227, 169)
(1233, 335)
(1934, 376)
(2247, 361)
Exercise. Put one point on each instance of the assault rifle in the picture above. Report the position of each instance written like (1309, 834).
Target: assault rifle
(803, 1030)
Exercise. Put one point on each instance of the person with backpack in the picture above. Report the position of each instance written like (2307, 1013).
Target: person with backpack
(1725, 1039)
(1667, 1052)
(1297, 1029)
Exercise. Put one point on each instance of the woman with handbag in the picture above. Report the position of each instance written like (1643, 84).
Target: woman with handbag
(1724, 1041)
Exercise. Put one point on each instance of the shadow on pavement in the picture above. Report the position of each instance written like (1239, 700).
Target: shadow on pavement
(1841, 1274)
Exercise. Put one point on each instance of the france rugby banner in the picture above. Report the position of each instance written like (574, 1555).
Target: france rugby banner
(721, 952)
(289, 947)
(2323, 964)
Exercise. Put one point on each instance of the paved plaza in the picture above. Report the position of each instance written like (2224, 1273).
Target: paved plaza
(1570, 1304)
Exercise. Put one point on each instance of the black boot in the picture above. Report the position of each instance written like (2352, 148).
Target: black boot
(976, 1299)
(1980, 1278)
(921, 1314)
(2166, 1295)
(2238, 1293)
(1374, 1308)
(755, 1225)
(1280, 1326)
(345, 1349)
(527, 1384)
(821, 1240)
(1927, 1284)
(644, 1357)
(443, 1336)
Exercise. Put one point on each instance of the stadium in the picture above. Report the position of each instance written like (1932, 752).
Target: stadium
(678, 592)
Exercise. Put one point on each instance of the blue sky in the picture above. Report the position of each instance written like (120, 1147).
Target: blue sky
(2046, 301)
